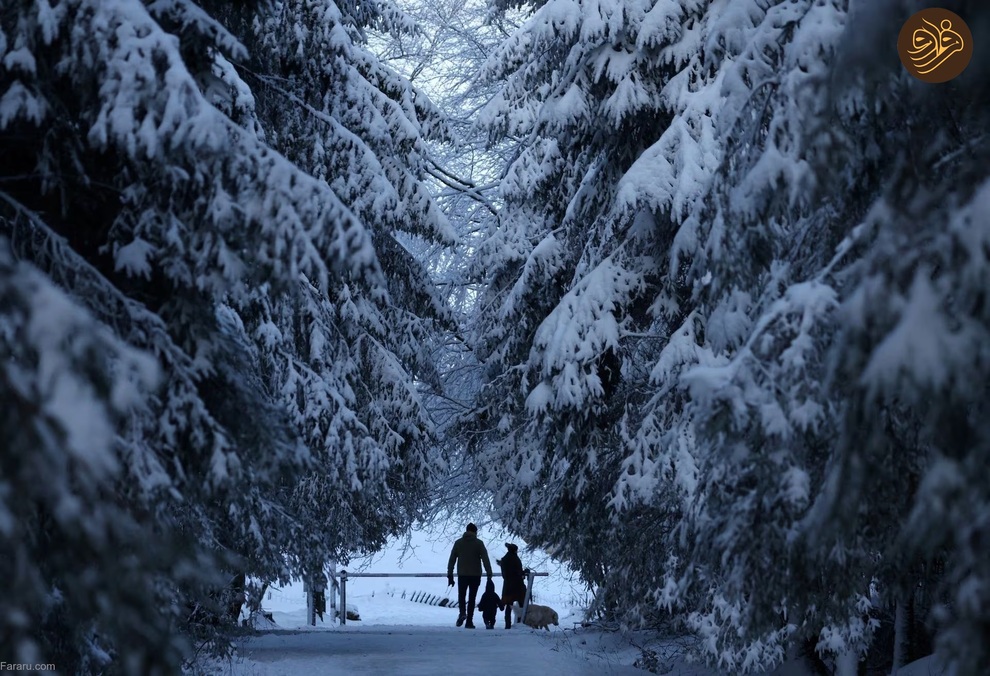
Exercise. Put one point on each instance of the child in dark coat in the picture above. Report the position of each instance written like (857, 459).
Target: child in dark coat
(489, 605)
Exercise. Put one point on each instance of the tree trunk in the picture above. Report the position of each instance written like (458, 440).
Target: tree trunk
(236, 596)
(847, 664)
(900, 636)
(255, 604)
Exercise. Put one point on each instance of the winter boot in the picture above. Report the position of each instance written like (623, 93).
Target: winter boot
(460, 619)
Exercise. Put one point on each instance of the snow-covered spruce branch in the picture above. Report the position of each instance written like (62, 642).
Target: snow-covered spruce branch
(51, 253)
(133, 322)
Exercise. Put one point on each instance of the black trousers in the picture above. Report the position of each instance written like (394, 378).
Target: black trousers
(466, 584)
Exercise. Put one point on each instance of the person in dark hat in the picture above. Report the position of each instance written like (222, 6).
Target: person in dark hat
(470, 554)
(513, 581)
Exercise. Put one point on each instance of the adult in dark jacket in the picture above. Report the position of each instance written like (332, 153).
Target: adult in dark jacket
(513, 581)
(489, 605)
(470, 554)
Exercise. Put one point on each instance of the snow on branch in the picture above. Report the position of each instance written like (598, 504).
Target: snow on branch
(576, 333)
(258, 203)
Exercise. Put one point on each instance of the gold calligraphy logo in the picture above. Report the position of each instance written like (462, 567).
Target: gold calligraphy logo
(935, 45)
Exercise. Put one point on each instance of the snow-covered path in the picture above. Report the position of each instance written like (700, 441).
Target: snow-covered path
(420, 651)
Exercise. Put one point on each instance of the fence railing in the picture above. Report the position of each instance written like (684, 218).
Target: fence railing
(344, 575)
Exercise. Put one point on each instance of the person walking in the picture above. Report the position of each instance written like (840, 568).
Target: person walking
(513, 581)
(470, 554)
(489, 605)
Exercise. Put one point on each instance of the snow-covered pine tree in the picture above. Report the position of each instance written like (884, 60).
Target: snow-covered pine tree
(113, 162)
(613, 105)
(913, 332)
(137, 180)
(805, 464)
(752, 390)
(66, 383)
(345, 361)
(751, 446)
(811, 445)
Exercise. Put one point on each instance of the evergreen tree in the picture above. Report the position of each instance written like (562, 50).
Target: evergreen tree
(743, 254)
(357, 347)
(616, 112)
(246, 324)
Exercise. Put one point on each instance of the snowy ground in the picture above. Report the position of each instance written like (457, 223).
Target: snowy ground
(420, 651)
(400, 637)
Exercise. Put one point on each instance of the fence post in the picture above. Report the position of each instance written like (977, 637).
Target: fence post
(343, 597)
(529, 593)
(333, 587)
